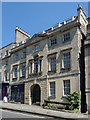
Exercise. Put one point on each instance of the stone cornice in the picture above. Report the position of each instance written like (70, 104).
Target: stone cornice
(61, 29)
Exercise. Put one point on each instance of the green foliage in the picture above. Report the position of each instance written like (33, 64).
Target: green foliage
(74, 101)
(51, 106)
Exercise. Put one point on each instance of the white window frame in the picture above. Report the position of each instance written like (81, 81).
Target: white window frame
(15, 72)
(23, 70)
(66, 37)
(36, 63)
(66, 60)
(52, 63)
(31, 67)
(66, 87)
(6, 52)
(52, 89)
(53, 42)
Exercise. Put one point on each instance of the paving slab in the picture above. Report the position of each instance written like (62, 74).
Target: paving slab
(39, 110)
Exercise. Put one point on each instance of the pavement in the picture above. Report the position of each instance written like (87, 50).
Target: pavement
(40, 111)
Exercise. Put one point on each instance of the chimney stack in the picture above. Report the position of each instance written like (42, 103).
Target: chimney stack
(20, 35)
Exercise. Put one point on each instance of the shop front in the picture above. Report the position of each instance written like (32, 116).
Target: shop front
(17, 93)
(4, 90)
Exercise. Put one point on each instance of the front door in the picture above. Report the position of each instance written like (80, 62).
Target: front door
(36, 94)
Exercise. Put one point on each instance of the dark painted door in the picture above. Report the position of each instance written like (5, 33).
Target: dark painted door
(35, 94)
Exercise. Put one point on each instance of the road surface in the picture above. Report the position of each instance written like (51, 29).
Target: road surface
(13, 115)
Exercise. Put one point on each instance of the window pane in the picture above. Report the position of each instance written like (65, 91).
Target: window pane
(36, 64)
(52, 88)
(66, 60)
(66, 87)
(52, 42)
(16, 57)
(36, 47)
(23, 70)
(15, 72)
(23, 54)
(66, 37)
(53, 63)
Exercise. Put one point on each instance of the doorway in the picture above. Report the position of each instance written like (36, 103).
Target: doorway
(35, 94)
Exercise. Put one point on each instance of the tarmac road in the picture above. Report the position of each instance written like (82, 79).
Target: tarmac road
(13, 115)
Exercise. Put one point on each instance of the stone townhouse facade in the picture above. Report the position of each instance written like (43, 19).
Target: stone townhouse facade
(87, 65)
(46, 65)
(5, 70)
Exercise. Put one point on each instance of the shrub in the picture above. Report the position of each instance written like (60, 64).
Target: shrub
(74, 100)
(51, 106)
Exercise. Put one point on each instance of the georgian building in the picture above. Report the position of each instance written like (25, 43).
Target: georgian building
(87, 65)
(46, 65)
(5, 70)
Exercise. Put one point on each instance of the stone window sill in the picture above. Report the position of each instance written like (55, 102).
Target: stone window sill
(22, 77)
(53, 71)
(35, 74)
(51, 97)
(14, 79)
(67, 68)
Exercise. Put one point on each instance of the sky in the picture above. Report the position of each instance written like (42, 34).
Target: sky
(34, 17)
